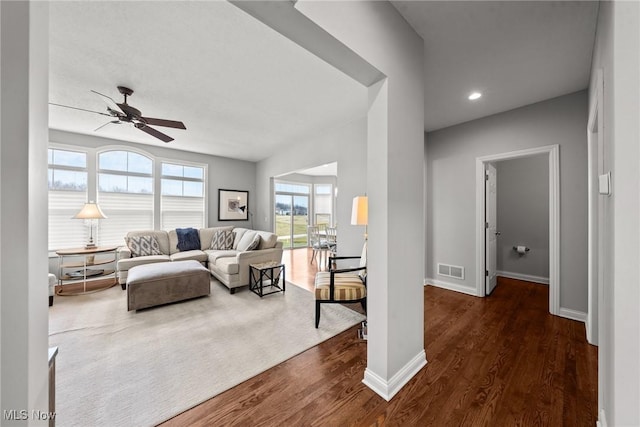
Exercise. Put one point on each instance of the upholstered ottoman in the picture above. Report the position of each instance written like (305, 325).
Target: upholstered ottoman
(162, 283)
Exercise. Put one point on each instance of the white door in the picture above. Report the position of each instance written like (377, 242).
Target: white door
(491, 233)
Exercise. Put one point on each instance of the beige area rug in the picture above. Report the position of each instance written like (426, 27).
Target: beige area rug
(119, 368)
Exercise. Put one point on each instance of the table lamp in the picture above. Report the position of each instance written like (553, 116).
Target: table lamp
(90, 211)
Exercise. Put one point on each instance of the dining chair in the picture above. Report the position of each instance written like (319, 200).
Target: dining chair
(318, 243)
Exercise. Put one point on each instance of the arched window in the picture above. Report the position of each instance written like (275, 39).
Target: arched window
(125, 194)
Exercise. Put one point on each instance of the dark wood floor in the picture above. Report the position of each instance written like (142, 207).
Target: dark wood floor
(497, 361)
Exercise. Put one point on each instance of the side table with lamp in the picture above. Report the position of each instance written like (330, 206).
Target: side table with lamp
(80, 264)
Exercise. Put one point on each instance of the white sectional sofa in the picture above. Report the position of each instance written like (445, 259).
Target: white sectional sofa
(230, 266)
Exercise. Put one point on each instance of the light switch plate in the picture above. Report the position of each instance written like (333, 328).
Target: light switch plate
(604, 184)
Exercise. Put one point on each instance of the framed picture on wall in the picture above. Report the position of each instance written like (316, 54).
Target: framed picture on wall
(233, 205)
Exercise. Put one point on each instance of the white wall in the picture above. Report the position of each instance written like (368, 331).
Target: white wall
(222, 172)
(23, 227)
(523, 216)
(450, 167)
(347, 146)
(616, 53)
(376, 32)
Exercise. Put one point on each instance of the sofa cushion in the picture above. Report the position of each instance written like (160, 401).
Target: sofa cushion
(246, 240)
(188, 239)
(126, 263)
(268, 240)
(196, 255)
(215, 255)
(206, 235)
(161, 236)
(222, 240)
(228, 265)
(143, 246)
(238, 232)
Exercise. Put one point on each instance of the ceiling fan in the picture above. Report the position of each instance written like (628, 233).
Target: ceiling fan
(125, 113)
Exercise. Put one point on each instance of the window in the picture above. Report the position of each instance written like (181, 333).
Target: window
(323, 203)
(182, 202)
(125, 194)
(67, 194)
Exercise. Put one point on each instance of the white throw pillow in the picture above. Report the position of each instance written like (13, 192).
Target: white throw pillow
(246, 240)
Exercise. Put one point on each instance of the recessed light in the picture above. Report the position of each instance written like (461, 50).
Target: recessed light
(474, 95)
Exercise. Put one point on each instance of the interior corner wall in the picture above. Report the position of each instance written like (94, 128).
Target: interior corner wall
(523, 216)
(346, 145)
(23, 228)
(222, 173)
(616, 53)
(450, 169)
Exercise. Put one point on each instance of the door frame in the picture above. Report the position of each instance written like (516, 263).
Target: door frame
(595, 140)
(553, 152)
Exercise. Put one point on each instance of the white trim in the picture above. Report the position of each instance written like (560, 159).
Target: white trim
(568, 313)
(594, 125)
(602, 419)
(525, 277)
(553, 152)
(388, 389)
(450, 286)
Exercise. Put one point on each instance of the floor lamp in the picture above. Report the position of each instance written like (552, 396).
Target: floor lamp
(90, 211)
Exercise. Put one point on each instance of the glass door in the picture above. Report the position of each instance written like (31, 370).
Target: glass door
(299, 221)
(292, 216)
(282, 215)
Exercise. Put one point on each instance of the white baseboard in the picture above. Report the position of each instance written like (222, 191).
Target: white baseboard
(451, 286)
(602, 420)
(388, 389)
(525, 277)
(573, 314)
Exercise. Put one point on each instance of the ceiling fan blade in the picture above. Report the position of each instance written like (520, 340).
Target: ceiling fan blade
(101, 126)
(166, 123)
(155, 133)
(81, 109)
(111, 104)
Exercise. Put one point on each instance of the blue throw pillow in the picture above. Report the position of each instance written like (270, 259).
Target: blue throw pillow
(188, 239)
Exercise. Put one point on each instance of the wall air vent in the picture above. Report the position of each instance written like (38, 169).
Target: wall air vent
(454, 271)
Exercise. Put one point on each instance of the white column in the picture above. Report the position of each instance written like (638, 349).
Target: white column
(24, 63)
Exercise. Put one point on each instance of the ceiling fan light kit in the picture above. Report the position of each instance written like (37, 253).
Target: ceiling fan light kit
(125, 113)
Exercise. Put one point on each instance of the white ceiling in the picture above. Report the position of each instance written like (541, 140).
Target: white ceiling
(245, 91)
(515, 52)
(242, 89)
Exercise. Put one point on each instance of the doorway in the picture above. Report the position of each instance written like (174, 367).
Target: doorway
(517, 220)
(552, 153)
(292, 217)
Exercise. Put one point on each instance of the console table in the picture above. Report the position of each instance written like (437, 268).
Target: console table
(80, 266)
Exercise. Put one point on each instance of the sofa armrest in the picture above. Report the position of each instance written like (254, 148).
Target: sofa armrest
(256, 257)
(124, 252)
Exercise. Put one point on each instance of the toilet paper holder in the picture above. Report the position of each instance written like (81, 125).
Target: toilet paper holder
(526, 249)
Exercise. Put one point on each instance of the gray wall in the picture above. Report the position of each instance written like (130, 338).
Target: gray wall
(450, 168)
(523, 215)
(223, 173)
(348, 147)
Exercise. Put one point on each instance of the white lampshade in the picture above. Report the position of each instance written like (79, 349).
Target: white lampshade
(90, 210)
(360, 211)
